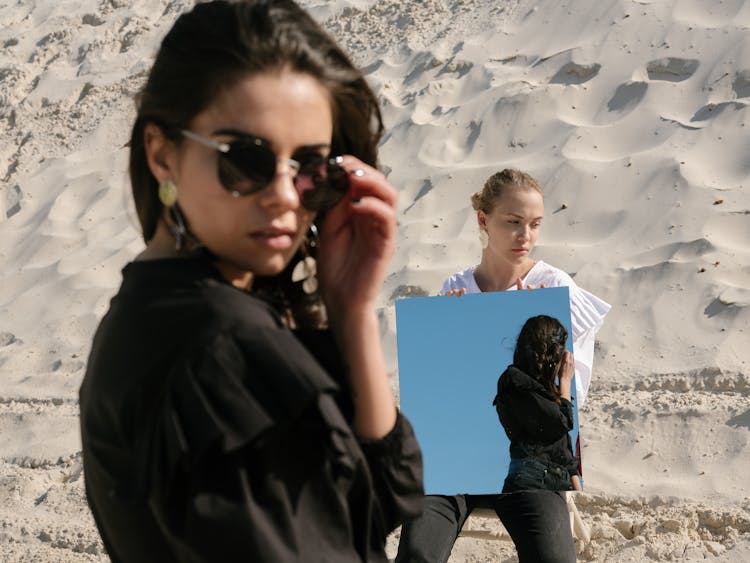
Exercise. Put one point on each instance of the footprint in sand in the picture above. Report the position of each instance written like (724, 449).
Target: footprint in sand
(730, 303)
(710, 111)
(12, 201)
(7, 338)
(92, 19)
(740, 421)
(627, 96)
(671, 69)
(741, 84)
(572, 73)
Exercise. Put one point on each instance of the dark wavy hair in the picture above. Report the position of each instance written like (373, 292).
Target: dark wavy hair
(210, 49)
(540, 349)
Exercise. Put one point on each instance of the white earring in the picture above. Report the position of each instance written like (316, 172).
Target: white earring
(484, 238)
(306, 269)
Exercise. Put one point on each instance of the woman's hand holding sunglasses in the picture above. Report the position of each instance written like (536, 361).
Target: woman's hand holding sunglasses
(565, 374)
(357, 241)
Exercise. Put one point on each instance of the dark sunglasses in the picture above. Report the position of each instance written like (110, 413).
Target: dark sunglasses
(247, 165)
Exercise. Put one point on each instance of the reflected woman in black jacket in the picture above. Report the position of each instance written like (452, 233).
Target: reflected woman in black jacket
(236, 405)
(533, 403)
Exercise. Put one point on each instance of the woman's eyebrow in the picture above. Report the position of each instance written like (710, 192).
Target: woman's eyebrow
(317, 147)
(238, 133)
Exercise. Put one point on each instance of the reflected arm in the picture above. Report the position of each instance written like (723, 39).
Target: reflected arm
(533, 416)
(576, 482)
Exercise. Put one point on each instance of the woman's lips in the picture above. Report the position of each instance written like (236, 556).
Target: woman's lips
(520, 250)
(274, 239)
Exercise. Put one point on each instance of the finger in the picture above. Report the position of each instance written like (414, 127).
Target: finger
(378, 212)
(335, 218)
(374, 206)
(366, 180)
(519, 284)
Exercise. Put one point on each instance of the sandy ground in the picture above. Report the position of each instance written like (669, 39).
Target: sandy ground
(632, 114)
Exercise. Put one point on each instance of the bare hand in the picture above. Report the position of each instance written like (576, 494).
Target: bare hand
(567, 367)
(357, 241)
(575, 482)
(456, 292)
(519, 285)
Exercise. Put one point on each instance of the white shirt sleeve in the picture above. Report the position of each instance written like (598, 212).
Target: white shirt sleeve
(461, 280)
(583, 351)
(587, 311)
(587, 314)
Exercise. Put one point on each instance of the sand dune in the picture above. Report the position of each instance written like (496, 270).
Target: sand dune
(632, 114)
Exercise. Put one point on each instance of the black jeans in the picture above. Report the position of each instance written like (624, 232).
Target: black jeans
(527, 474)
(537, 521)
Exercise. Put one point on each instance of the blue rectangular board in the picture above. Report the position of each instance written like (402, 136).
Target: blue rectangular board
(451, 351)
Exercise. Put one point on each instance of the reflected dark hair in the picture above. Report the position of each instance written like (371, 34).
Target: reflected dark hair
(540, 349)
(216, 44)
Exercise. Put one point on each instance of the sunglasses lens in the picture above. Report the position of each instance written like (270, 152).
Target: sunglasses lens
(246, 168)
(321, 183)
(250, 166)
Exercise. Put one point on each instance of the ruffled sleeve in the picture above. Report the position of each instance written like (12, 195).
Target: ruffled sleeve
(396, 465)
(227, 443)
(587, 311)
(587, 314)
(461, 280)
(248, 455)
(395, 460)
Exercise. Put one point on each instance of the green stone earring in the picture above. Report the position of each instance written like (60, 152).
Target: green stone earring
(168, 193)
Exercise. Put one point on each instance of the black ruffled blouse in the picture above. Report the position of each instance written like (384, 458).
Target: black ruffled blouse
(211, 432)
(537, 425)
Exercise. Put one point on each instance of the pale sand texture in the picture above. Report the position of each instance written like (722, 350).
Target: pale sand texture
(630, 113)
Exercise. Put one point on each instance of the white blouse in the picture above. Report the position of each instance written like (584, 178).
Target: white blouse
(587, 313)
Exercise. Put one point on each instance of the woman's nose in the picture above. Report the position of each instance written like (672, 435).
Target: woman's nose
(281, 192)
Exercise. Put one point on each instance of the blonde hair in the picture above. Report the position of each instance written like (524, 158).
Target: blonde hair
(500, 183)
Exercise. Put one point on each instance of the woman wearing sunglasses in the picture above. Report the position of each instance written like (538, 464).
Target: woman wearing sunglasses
(219, 420)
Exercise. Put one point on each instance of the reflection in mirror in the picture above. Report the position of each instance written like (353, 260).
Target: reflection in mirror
(451, 353)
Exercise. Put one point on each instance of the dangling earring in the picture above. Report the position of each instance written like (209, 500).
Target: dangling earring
(306, 269)
(168, 193)
(168, 198)
(484, 238)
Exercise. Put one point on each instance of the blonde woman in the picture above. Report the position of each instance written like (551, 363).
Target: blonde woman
(509, 211)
